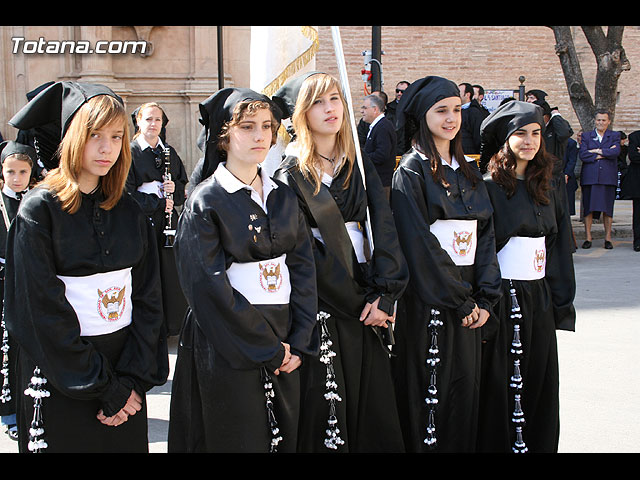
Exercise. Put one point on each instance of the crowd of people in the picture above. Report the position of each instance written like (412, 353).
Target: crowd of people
(399, 293)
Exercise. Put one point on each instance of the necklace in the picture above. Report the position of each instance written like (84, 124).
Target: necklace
(240, 180)
(330, 160)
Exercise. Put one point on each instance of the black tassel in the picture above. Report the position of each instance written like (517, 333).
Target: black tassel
(516, 383)
(269, 395)
(433, 360)
(36, 390)
(333, 440)
(6, 390)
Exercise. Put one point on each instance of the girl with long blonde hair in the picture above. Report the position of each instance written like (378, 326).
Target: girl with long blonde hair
(355, 409)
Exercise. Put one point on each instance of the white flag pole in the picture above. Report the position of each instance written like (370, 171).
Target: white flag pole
(346, 91)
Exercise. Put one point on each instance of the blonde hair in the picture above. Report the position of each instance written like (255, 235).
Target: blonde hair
(96, 113)
(312, 88)
(139, 115)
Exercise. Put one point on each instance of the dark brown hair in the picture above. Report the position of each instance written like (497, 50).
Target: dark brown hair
(246, 108)
(502, 168)
(423, 142)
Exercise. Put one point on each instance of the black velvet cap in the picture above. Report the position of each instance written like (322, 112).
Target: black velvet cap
(10, 147)
(287, 95)
(421, 95)
(503, 121)
(539, 94)
(50, 112)
(218, 109)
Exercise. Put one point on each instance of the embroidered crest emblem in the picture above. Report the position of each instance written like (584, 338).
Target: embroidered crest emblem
(111, 303)
(539, 260)
(270, 276)
(462, 242)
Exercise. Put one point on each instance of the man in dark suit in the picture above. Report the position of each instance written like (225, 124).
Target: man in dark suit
(599, 150)
(472, 116)
(380, 144)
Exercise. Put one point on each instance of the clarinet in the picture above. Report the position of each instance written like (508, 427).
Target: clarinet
(169, 233)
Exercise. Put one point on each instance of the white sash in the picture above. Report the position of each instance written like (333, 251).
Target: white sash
(523, 258)
(262, 283)
(458, 238)
(153, 188)
(102, 301)
(356, 236)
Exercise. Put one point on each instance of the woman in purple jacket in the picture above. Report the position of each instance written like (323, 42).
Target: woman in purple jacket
(599, 150)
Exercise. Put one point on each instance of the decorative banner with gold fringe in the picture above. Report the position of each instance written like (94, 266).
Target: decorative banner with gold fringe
(279, 53)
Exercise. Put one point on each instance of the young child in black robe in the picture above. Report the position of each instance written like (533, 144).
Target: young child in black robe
(520, 385)
(443, 216)
(82, 297)
(17, 162)
(246, 268)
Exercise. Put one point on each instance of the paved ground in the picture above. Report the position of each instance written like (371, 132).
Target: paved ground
(599, 362)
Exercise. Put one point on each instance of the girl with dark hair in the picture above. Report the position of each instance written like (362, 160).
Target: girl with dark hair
(443, 215)
(520, 386)
(82, 299)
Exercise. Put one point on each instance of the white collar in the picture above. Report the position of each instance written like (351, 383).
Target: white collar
(144, 144)
(454, 163)
(10, 193)
(376, 120)
(231, 184)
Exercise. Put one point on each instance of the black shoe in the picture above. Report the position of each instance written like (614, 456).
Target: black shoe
(636, 248)
(608, 245)
(586, 244)
(12, 431)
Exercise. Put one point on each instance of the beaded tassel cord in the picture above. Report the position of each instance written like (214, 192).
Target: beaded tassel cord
(433, 360)
(269, 395)
(6, 390)
(333, 439)
(517, 417)
(37, 391)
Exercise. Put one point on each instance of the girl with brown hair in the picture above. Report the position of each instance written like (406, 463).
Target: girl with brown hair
(245, 265)
(443, 215)
(82, 298)
(348, 403)
(520, 386)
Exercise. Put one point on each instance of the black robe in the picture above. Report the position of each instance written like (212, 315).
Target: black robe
(546, 305)
(227, 343)
(367, 415)
(84, 373)
(9, 407)
(143, 169)
(438, 283)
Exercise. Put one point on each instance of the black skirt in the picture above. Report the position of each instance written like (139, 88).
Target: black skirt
(70, 425)
(219, 409)
(457, 376)
(366, 415)
(538, 367)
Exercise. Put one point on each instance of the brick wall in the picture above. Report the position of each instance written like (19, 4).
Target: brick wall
(493, 56)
